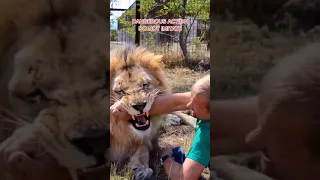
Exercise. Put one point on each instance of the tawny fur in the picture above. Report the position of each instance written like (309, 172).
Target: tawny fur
(124, 143)
(60, 48)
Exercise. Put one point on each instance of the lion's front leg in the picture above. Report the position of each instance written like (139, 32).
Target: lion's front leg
(139, 163)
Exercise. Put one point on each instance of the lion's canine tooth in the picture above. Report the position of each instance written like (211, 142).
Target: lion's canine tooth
(138, 125)
(147, 114)
(147, 123)
(133, 117)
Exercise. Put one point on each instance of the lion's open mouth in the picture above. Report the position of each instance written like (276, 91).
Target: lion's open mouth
(141, 122)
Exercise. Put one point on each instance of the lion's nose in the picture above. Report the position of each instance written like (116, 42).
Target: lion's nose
(139, 107)
(94, 142)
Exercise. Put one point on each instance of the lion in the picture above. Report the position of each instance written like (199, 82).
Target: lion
(136, 78)
(54, 74)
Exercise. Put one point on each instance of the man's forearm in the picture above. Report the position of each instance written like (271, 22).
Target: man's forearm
(232, 121)
(173, 169)
(170, 103)
(165, 104)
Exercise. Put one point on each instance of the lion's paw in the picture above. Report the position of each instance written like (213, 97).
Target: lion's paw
(143, 173)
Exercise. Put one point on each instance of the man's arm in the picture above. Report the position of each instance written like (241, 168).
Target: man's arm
(232, 121)
(15, 159)
(169, 103)
(197, 159)
(164, 104)
(228, 169)
(189, 170)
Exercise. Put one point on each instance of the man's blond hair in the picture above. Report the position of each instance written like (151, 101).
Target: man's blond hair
(202, 87)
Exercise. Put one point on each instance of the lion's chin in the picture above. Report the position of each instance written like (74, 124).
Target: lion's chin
(141, 122)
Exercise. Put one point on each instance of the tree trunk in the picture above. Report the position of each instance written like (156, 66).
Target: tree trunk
(182, 40)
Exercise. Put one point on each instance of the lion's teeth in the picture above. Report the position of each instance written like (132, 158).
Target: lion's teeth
(138, 125)
(147, 123)
(133, 117)
(147, 114)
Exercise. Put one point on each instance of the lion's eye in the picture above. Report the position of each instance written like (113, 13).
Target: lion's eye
(35, 97)
(121, 92)
(145, 85)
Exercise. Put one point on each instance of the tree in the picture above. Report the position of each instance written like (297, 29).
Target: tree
(113, 35)
(194, 9)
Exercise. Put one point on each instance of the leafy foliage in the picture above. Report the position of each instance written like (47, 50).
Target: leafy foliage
(171, 9)
(129, 14)
(113, 35)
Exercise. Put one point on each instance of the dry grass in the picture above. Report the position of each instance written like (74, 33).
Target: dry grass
(181, 79)
(172, 54)
(244, 53)
(120, 173)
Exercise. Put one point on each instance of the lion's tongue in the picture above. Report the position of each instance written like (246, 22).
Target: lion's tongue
(141, 120)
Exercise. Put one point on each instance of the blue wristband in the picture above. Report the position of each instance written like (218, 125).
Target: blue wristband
(178, 155)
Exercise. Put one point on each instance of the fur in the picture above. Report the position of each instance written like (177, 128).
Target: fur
(130, 68)
(53, 72)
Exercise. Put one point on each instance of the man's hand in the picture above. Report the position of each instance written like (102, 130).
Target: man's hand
(118, 111)
(177, 153)
(116, 108)
(23, 158)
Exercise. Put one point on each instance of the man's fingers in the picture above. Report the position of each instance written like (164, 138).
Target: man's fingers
(19, 141)
(38, 169)
(15, 158)
(13, 153)
(114, 111)
(4, 152)
(13, 165)
(20, 165)
(23, 163)
(18, 145)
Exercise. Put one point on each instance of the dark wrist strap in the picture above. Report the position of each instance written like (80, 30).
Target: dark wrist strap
(164, 158)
